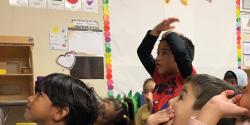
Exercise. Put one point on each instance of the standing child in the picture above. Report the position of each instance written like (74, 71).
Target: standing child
(62, 100)
(172, 65)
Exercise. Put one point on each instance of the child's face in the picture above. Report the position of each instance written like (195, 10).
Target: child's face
(232, 81)
(148, 91)
(245, 100)
(39, 108)
(183, 105)
(165, 62)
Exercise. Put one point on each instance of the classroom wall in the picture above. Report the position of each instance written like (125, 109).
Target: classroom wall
(36, 23)
(210, 26)
(20, 21)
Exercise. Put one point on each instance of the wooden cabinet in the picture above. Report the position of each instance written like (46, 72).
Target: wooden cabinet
(16, 68)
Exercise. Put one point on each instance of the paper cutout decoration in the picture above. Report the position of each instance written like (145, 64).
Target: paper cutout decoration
(184, 2)
(89, 2)
(238, 33)
(108, 55)
(167, 1)
(67, 60)
(90, 6)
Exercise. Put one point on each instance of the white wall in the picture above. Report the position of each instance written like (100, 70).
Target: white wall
(210, 26)
(130, 19)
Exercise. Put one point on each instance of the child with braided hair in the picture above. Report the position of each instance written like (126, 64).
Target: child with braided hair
(116, 112)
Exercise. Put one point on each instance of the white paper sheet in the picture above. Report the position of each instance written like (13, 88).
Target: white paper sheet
(245, 22)
(37, 4)
(56, 4)
(58, 38)
(246, 48)
(246, 60)
(86, 41)
(90, 6)
(21, 3)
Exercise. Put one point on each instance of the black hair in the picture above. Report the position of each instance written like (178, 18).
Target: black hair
(187, 42)
(121, 113)
(230, 75)
(205, 87)
(189, 46)
(66, 91)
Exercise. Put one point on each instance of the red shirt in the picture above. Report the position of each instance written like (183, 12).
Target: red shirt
(167, 87)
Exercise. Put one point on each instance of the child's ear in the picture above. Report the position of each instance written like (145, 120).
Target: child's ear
(61, 113)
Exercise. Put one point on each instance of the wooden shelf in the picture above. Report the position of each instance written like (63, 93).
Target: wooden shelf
(16, 58)
(14, 75)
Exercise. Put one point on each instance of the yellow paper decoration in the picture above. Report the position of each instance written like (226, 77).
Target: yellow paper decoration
(108, 60)
(238, 12)
(55, 29)
(184, 2)
(167, 1)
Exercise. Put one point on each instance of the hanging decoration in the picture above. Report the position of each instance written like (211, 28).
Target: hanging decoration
(184, 2)
(238, 34)
(108, 54)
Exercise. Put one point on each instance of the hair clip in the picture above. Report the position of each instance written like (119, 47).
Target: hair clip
(124, 116)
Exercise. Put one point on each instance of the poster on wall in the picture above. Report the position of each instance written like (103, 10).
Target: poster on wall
(20, 3)
(58, 38)
(246, 54)
(37, 4)
(245, 5)
(245, 22)
(86, 41)
(56, 4)
(90, 6)
(85, 36)
(73, 5)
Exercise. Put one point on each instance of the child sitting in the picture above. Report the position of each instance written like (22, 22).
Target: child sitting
(62, 100)
(172, 65)
(221, 106)
(237, 78)
(116, 112)
(145, 110)
(196, 92)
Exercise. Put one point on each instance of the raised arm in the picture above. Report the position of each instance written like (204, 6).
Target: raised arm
(147, 45)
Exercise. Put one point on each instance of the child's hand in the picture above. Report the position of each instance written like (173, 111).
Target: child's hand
(220, 106)
(149, 100)
(164, 25)
(227, 107)
(159, 117)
